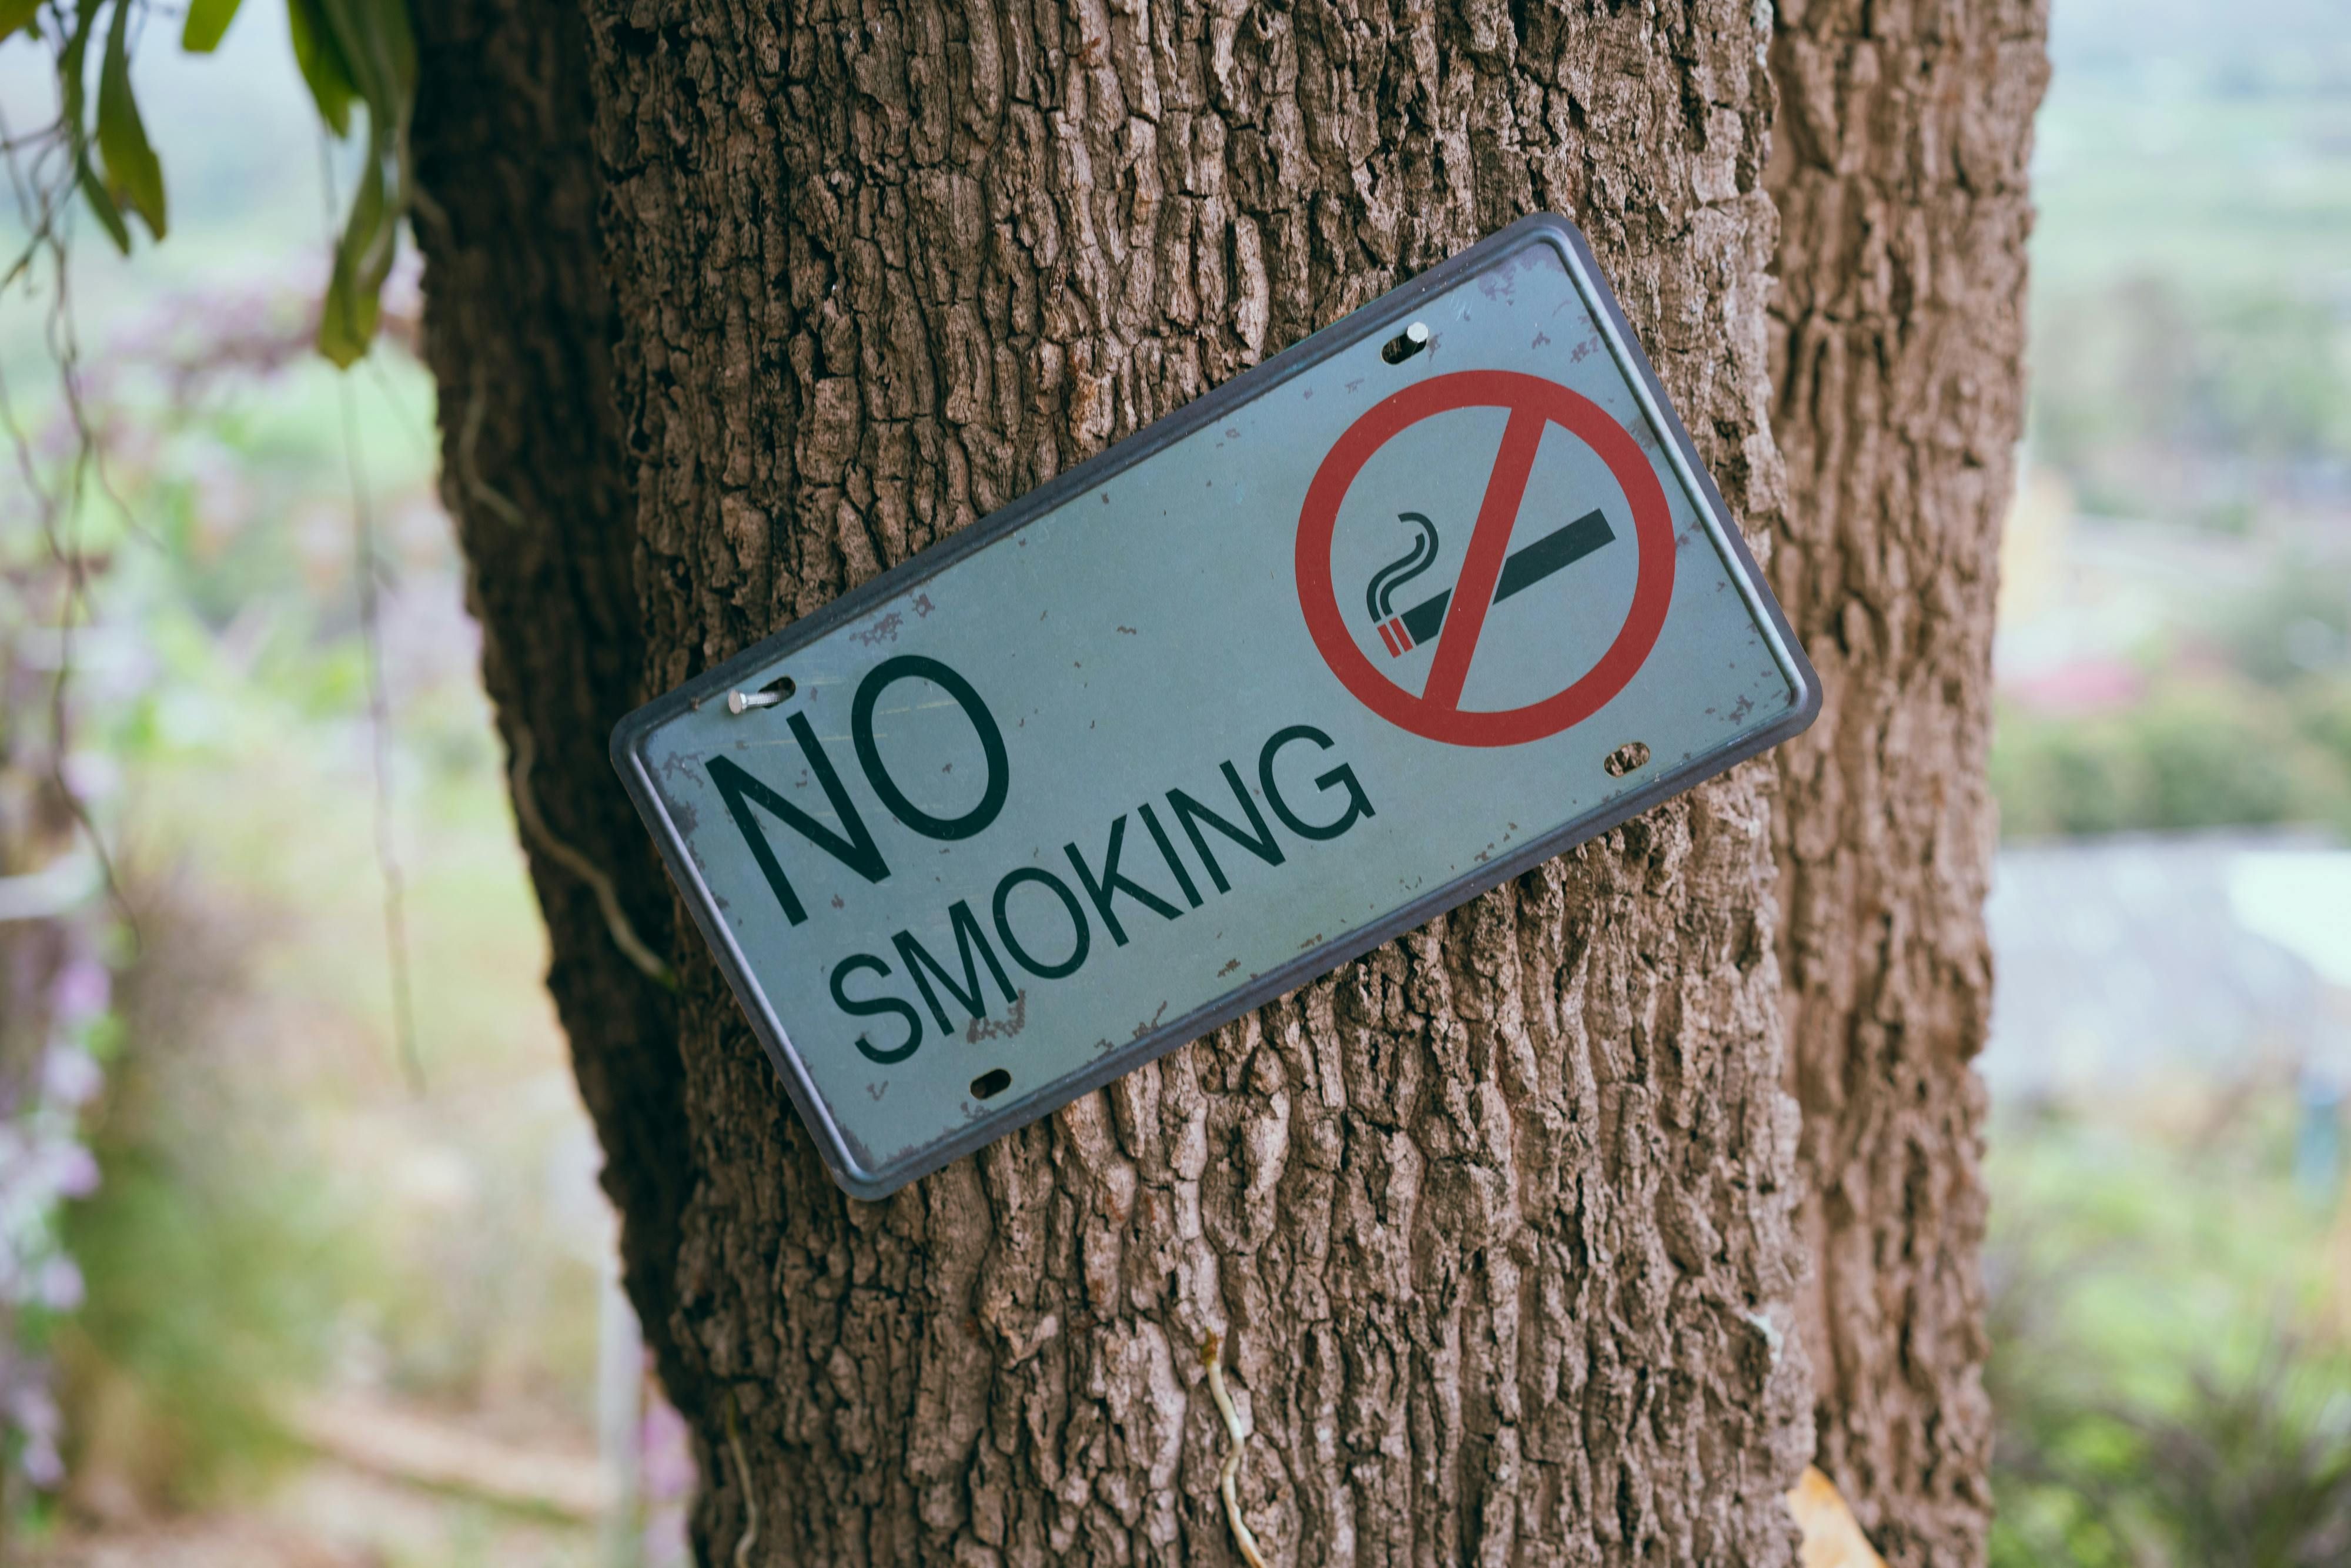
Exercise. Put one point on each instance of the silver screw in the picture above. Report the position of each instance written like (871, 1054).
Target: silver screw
(737, 702)
(1417, 334)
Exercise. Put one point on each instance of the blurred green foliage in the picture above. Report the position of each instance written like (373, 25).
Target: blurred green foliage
(2200, 753)
(2245, 721)
(2293, 635)
(278, 1213)
(2262, 375)
(2168, 1368)
(214, 1262)
(2323, 713)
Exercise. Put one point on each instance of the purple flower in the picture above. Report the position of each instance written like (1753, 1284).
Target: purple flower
(61, 1288)
(33, 1410)
(666, 1445)
(70, 1076)
(73, 1170)
(83, 989)
(41, 1463)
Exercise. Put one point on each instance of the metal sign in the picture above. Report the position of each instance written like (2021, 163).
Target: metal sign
(1399, 614)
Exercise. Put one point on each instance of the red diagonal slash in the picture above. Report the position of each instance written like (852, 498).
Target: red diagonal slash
(1482, 566)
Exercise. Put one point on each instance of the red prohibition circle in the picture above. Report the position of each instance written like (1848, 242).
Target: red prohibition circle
(1435, 712)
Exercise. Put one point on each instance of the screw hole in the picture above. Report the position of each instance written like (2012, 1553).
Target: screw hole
(1627, 759)
(782, 685)
(1405, 344)
(990, 1084)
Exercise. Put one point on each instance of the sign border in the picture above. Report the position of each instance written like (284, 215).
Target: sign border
(869, 1179)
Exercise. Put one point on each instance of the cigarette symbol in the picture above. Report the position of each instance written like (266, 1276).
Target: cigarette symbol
(1522, 569)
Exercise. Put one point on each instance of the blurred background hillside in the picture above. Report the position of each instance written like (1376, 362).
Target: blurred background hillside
(2171, 1261)
(272, 1292)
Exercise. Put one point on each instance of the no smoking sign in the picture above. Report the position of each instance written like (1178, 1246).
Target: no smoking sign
(1490, 569)
(1351, 639)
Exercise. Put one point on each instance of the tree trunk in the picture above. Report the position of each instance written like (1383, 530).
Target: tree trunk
(1494, 1225)
(1899, 170)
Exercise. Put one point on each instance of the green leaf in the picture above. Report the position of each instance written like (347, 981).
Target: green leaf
(15, 14)
(322, 63)
(109, 217)
(71, 85)
(347, 323)
(207, 20)
(379, 46)
(133, 176)
(72, 97)
(354, 300)
(375, 45)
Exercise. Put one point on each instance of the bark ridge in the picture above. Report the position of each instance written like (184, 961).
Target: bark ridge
(1898, 336)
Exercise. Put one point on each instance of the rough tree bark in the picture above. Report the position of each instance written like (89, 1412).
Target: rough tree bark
(1899, 170)
(1496, 1223)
